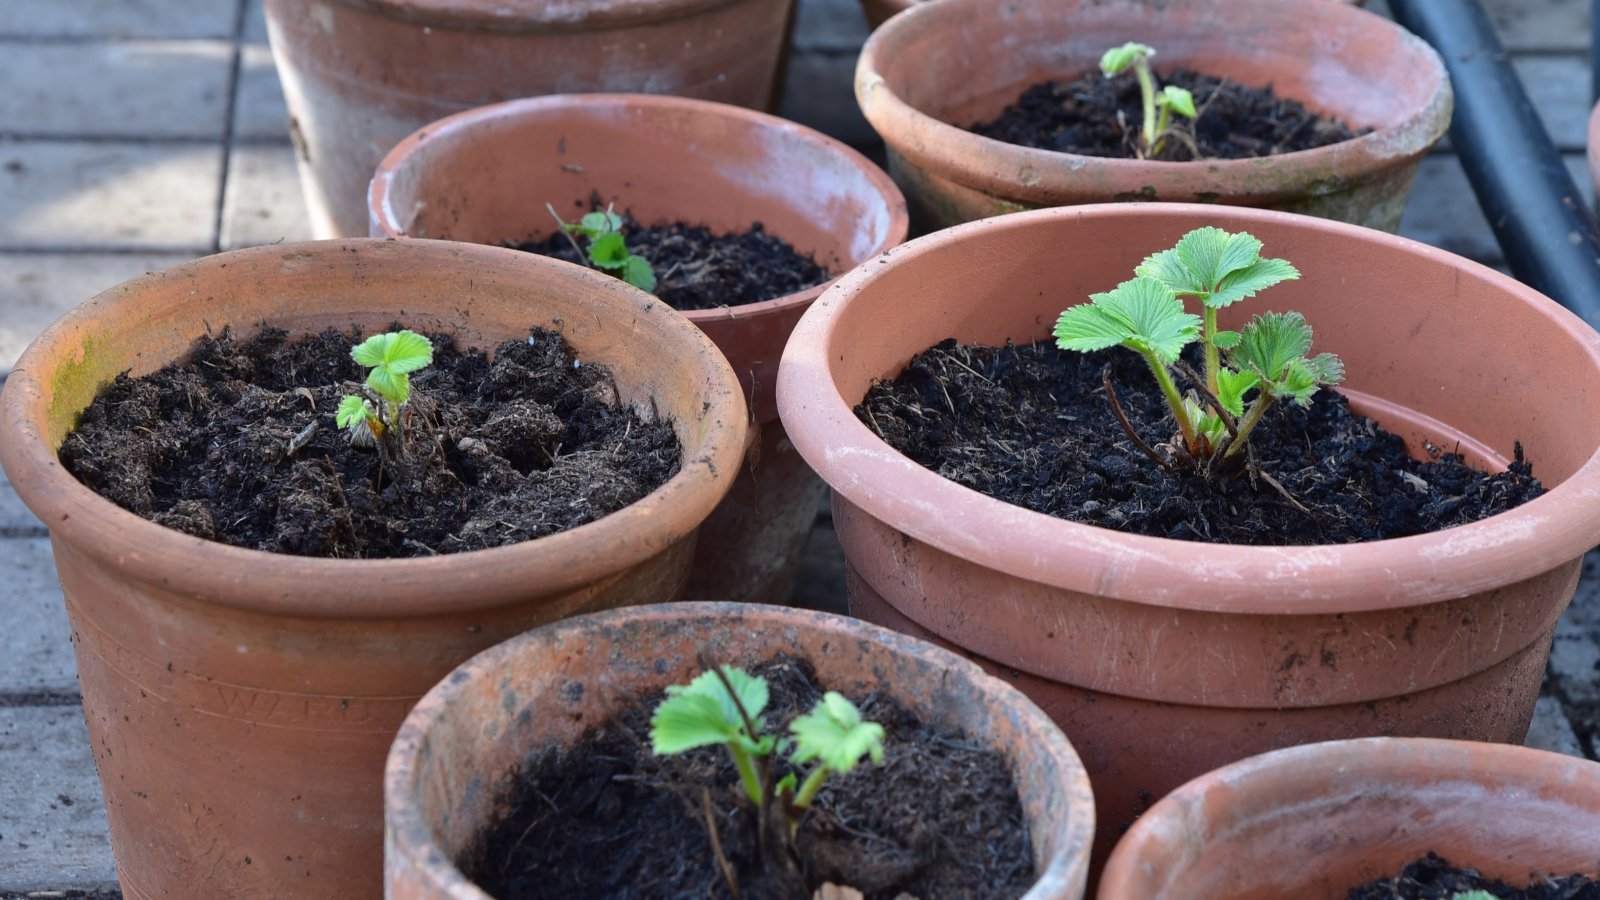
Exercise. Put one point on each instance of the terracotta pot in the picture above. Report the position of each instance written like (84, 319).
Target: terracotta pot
(1594, 144)
(487, 174)
(240, 703)
(1359, 67)
(1313, 822)
(879, 11)
(1164, 659)
(470, 734)
(359, 75)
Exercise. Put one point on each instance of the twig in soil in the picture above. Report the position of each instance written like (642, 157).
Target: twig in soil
(303, 438)
(1127, 427)
(1199, 384)
(561, 226)
(716, 841)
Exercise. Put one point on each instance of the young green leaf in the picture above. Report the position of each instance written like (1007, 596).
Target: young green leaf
(1217, 266)
(1304, 376)
(1231, 388)
(353, 411)
(609, 251)
(1142, 314)
(702, 713)
(392, 356)
(1473, 895)
(1117, 60)
(1270, 342)
(637, 272)
(601, 222)
(1179, 100)
(835, 733)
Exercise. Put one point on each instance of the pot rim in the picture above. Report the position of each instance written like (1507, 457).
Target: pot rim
(990, 166)
(385, 221)
(277, 584)
(522, 16)
(1557, 527)
(405, 826)
(1393, 759)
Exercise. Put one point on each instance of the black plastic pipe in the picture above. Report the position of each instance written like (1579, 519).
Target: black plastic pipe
(1549, 236)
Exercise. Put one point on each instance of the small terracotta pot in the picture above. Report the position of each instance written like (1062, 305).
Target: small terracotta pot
(1337, 60)
(470, 735)
(1164, 659)
(1313, 822)
(486, 175)
(240, 703)
(879, 11)
(360, 75)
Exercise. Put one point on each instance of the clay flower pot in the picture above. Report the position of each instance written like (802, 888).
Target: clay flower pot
(1594, 144)
(486, 175)
(1313, 822)
(472, 732)
(240, 703)
(359, 75)
(1337, 60)
(879, 11)
(1164, 659)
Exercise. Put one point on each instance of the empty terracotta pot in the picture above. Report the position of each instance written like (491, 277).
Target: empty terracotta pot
(470, 734)
(487, 175)
(360, 75)
(879, 11)
(1339, 61)
(1164, 659)
(240, 703)
(1312, 822)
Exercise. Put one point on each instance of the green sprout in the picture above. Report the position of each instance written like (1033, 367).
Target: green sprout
(724, 705)
(392, 357)
(1159, 105)
(607, 249)
(1146, 314)
(1473, 895)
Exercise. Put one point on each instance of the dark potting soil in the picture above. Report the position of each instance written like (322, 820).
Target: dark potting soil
(1099, 116)
(1432, 878)
(501, 452)
(1031, 425)
(939, 819)
(696, 269)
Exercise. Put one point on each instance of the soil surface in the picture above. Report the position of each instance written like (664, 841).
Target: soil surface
(939, 819)
(1432, 878)
(1031, 425)
(1099, 116)
(696, 269)
(497, 452)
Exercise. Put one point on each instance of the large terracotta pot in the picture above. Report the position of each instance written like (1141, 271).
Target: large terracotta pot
(1313, 822)
(470, 734)
(1163, 659)
(359, 75)
(1357, 66)
(240, 703)
(487, 174)
(879, 11)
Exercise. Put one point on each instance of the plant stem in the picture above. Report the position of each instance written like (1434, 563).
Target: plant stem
(1213, 363)
(809, 787)
(1252, 416)
(747, 772)
(1174, 399)
(1163, 121)
(1147, 91)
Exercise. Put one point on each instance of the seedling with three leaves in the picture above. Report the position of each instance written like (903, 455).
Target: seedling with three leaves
(607, 250)
(392, 357)
(724, 705)
(1159, 105)
(1269, 356)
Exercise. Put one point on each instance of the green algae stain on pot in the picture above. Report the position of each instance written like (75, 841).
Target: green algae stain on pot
(73, 385)
(1142, 195)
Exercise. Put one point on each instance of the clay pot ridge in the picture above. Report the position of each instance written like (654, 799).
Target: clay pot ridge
(1335, 58)
(548, 686)
(1506, 811)
(534, 16)
(45, 392)
(880, 11)
(1500, 550)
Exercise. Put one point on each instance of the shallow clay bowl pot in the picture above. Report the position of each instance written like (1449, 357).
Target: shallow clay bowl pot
(1163, 659)
(1312, 822)
(469, 736)
(879, 11)
(240, 703)
(1361, 68)
(486, 176)
(360, 75)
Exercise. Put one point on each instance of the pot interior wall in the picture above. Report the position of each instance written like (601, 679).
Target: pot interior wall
(499, 295)
(1386, 806)
(488, 179)
(1427, 331)
(1324, 55)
